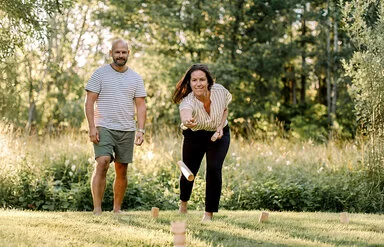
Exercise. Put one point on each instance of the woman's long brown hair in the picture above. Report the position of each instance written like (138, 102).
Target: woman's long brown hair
(183, 87)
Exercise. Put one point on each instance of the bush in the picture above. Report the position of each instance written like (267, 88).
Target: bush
(275, 175)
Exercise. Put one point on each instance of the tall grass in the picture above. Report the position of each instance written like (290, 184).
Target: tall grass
(53, 173)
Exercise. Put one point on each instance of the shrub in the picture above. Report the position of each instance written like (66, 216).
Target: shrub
(54, 174)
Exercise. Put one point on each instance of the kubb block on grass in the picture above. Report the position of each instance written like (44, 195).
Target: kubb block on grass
(344, 218)
(178, 228)
(155, 212)
(263, 216)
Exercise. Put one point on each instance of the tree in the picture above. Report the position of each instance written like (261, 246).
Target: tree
(43, 88)
(265, 52)
(272, 56)
(236, 38)
(21, 20)
(364, 22)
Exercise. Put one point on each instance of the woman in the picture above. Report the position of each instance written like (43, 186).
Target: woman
(203, 113)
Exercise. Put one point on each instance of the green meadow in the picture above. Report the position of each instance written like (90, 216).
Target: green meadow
(229, 228)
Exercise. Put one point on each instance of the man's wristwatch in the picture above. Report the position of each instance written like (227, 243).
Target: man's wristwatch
(141, 130)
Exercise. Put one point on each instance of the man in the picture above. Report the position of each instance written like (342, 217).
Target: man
(113, 92)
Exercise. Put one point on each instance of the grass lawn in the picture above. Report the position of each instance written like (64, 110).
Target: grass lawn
(229, 228)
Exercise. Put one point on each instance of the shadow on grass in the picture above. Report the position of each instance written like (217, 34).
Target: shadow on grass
(339, 235)
(200, 231)
(288, 231)
(219, 238)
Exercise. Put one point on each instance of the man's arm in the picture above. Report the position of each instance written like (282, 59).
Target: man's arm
(141, 110)
(89, 105)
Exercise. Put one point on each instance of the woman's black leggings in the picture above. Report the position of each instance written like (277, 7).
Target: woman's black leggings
(195, 145)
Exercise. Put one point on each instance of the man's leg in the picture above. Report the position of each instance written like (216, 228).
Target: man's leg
(99, 181)
(119, 185)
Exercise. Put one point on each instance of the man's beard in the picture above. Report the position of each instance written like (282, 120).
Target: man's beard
(120, 62)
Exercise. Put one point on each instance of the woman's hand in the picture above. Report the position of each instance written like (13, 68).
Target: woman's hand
(190, 123)
(217, 135)
(220, 132)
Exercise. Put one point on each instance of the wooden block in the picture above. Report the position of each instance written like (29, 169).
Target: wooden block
(178, 228)
(155, 212)
(263, 216)
(179, 240)
(344, 218)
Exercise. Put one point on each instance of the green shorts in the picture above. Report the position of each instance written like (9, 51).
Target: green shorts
(115, 142)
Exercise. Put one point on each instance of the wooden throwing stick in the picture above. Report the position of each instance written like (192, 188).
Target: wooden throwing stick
(185, 171)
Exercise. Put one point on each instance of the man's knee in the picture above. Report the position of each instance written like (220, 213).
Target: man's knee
(121, 170)
(102, 163)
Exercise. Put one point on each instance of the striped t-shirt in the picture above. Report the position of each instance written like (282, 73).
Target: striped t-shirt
(114, 107)
(220, 98)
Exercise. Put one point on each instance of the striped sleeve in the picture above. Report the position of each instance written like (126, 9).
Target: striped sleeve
(229, 97)
(94, 83)
(140, 90)
(187, 103)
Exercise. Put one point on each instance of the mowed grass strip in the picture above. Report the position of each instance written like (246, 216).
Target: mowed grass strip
(229, 228)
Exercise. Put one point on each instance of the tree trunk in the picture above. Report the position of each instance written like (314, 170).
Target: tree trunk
(303, 58)
(335, 45)
(34, 98)
(238, 20)
(328, 66)
(292, 82)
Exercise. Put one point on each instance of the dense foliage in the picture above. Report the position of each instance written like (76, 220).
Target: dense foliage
(272, 56)
(23, 21)
(364, 23)
(64, 187)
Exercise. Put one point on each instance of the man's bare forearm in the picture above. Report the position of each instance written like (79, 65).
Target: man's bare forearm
(89, 111)
(141, 112)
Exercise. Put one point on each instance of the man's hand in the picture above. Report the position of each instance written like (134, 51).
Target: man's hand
(139, 138)
(94, 135)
